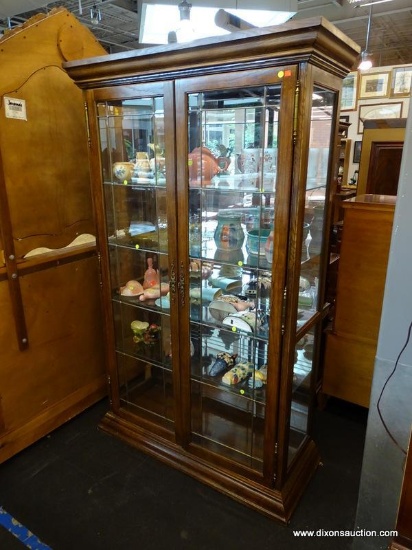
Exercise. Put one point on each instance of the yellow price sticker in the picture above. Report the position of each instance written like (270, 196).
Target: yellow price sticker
(234, 329)
(137, 246)
(281, 74)
(240, 263)
(125, 182)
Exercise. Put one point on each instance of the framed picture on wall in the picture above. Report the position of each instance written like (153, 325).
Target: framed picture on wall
(401, 82)
(349, 94)
(378, 110)
(374, 85)
(357, 148)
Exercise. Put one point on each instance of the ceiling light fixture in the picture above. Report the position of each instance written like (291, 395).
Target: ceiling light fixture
(366, 61)
(185, 31)
(95, 15)
(159, 21)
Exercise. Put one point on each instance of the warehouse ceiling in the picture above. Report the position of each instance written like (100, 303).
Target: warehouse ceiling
(390, 37)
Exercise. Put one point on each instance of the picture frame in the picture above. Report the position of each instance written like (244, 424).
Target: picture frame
(357, 148)
(378, 110)
(401, 82)
(374, 85)
(349, 95)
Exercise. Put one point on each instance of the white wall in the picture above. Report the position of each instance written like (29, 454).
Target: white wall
(353, 115)
(383, 460)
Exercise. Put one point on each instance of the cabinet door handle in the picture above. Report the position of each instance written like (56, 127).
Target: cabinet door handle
(182, 284)
(172, 282)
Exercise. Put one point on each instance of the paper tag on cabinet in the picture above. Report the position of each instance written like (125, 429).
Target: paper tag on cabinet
(15, 108)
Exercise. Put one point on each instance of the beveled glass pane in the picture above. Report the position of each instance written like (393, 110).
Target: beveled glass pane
(232, 169)
(132, 141)
(302, 391)
(146, 389)
(134, 187)
(230, 425)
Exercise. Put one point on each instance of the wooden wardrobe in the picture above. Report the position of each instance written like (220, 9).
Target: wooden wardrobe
(51, 360)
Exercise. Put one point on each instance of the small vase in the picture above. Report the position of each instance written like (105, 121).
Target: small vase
(229, 234)
(269, 248)
(142, 165)
(316, 231)
(223, 163)
(305, 251)
(123, 171)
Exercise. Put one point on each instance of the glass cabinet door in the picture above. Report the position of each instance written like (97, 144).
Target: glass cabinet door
(232, 149)
(220, 221)
(133, 158)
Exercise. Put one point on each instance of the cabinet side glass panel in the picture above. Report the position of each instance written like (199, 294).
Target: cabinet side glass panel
(133, 173)
(232, 167)
(305, 351)
(320, 149)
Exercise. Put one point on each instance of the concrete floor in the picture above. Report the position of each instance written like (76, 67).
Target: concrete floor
(81, 489)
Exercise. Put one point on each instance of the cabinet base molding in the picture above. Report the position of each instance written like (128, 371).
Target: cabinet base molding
(275, 504)
(14, 441)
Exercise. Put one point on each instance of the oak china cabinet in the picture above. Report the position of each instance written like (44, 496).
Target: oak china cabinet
(210, 165)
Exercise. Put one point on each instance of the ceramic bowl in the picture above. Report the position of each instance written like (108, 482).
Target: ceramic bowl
(256, 241)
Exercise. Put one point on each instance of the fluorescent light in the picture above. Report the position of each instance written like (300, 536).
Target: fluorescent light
(159, 19)
(369, 3)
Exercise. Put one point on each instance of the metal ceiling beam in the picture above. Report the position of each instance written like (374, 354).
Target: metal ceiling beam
(119, 28)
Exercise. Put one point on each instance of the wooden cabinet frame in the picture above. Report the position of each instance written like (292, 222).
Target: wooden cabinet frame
(298, 57)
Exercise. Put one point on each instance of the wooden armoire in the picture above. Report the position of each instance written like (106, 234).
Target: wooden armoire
(51, 360)
(380, 163)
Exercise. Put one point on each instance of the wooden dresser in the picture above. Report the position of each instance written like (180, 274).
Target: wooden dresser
(352, 340)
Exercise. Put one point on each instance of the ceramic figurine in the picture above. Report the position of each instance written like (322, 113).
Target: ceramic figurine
(223, 362)
(151, 276)
(131, 288)
(202, 167)
(154, 292)
(138, 328)
(237, 373)
(259, 377)
(145, 333)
